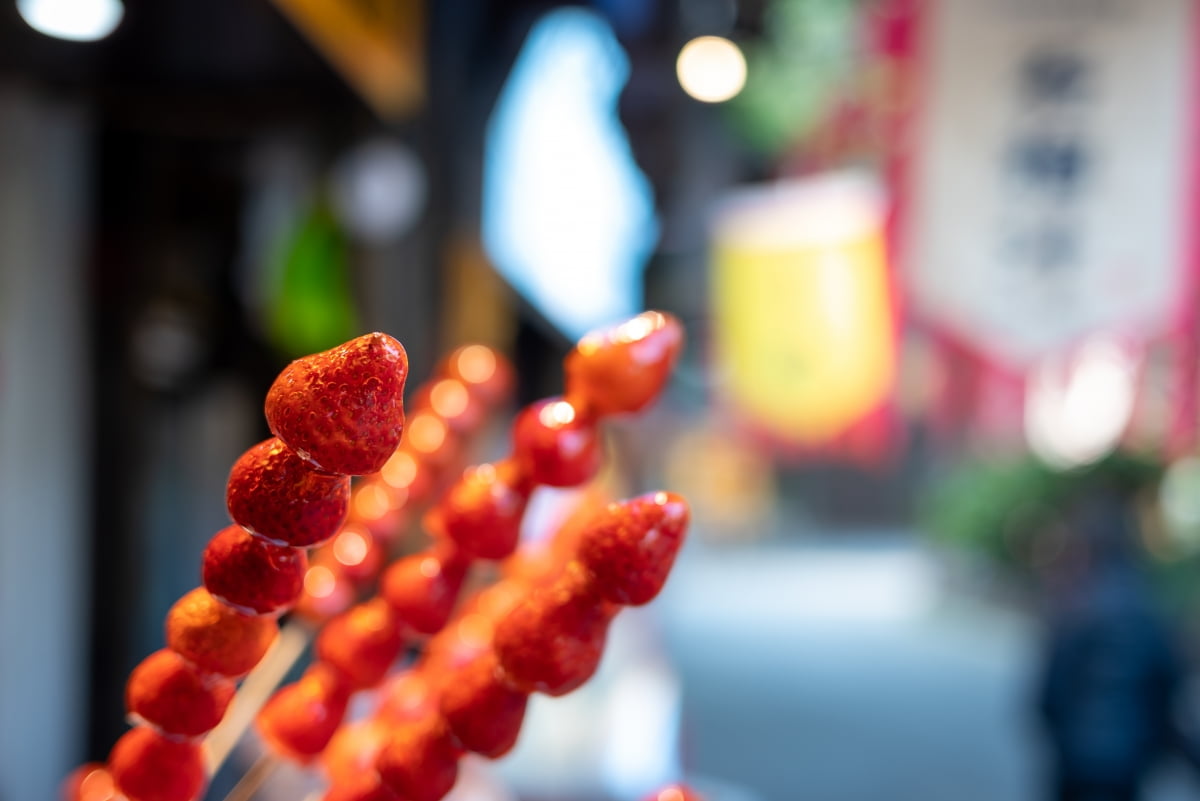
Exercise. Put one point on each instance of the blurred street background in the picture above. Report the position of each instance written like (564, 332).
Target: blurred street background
(937, 417)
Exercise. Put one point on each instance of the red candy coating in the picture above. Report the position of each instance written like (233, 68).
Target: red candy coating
(274, 493)
(423, 588)
(624, 368)
(552, 643)
(353, 750)
(362, 643)
(486, 374)
(363, 787)
(482, 512)
(407, 696)
(555, 445)
(327, 589)
(419, 762)
(148, 767)
(214, 637)
(300, 718)
(252, 575)
(169, 695)
(358, 552)
(90, 782)
(342, 409)
(482, 713)
(452, 401)
(631, 546)
(676, 792)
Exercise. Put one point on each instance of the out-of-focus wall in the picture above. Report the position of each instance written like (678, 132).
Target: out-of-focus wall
(44, 168)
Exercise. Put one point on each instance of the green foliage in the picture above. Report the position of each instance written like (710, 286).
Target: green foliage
(796, 72)
(999, 507)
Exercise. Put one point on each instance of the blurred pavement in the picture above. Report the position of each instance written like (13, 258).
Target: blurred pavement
(844, 672)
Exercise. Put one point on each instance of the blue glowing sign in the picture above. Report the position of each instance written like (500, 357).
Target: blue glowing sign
(568, 218)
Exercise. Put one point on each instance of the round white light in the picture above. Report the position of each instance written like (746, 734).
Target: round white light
(379, 190)
(1075, 413)
(74, 20)
(711, 69)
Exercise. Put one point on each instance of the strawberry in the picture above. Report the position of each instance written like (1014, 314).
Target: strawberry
(623, 369)
(342, 409)
(552, 642)
(89, 782)
(482, 512)
(631, 546)
(299, 720)
(146, 766)
(555, 445)
(252, 575)
(379, 508)
(431, 440)
(407, 696)
(452, 401)
(353, 750)
(168, 694)
(483, 714)
(676, 792)
(361, 643)
(486, 374)
(420, 761)
(361, 787)
(327, 589)
(359, 552)
(275, 494)
(423, 588)
(214, 637)
(409, 476)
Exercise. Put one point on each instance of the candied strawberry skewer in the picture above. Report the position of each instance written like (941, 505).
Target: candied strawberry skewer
(447, 411)
(556, 442)
(550, 642)
(334, 414)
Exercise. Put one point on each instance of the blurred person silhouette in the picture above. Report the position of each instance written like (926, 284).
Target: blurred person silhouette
(1112, 670)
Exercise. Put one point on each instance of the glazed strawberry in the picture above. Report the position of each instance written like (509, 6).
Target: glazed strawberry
(275, 494)
(482, 713)
(555, 445)
(363, 787)
(300, 718)
(90, 782)
(362, 643)
(431, 440)
(214, 637)
(552, 642)
(327, 589)
(623, 369)
(676, 792)
(148, 767)
(451, 400)
(423, 588)
(353, 750)
(408, 696)
(359, 553)
(377, 507)
(420, 761)
(407, 474)
(342, 409)
(631, 546)
(168, 694)
(486, 374)
(482, 512)
(252, 575)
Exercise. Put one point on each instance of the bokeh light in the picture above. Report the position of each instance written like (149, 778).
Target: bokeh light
(74, 20)
(711, 69)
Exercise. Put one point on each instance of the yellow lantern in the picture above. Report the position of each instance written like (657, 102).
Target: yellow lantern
(804, 336)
